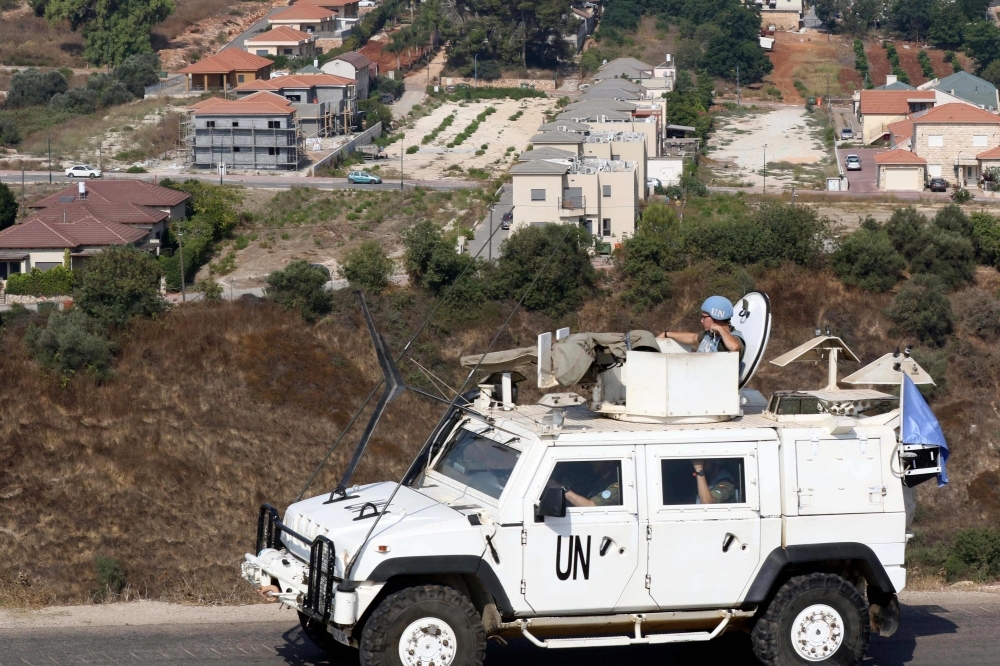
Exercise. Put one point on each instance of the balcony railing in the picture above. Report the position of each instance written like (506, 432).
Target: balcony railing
(573, 203)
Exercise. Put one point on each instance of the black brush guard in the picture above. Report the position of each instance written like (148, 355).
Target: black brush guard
(318, 603)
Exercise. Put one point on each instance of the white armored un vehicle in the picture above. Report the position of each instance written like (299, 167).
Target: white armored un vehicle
(671, 506)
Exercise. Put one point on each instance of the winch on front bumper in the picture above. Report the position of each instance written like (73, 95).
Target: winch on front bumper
(310, 588)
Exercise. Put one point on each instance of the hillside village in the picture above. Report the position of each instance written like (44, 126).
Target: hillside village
(188, 219)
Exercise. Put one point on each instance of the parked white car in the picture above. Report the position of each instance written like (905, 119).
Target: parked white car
(83, 171)
(853, 163)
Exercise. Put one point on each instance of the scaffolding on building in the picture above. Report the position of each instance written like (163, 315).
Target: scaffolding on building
(243, 148)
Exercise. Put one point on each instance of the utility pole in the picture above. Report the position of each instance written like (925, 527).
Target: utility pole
(164, 119)
(475, 70)
(764, 189)
(738, 100)
(24, 209)
(401, 163)
(490, 241)
(100, 157)
(50, 158)
(180, 251)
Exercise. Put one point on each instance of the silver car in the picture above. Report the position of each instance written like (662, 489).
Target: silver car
(853, 163)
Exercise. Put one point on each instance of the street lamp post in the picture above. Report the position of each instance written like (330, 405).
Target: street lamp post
(764, 189)
(475, 70)
(401, 163)
(490, 241)
(958, 168)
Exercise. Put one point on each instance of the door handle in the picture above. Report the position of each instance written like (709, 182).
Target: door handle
(727, 541)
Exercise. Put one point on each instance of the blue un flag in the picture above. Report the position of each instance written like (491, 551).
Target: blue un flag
(920, 426)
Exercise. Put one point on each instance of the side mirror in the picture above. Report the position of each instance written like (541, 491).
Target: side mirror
(551, 503)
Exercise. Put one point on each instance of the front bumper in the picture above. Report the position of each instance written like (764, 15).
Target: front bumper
(276, 568)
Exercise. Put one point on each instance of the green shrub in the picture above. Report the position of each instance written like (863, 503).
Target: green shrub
(302, 287)
(412, 149)
(367, 267)
(773, 233)
(975, 554)
(866, 259)
(962, 196)
(120, 283)
(947, 255)
(567, 278)
(921, 308)
(71, 341)
(644, 259)
(9, 133)
(210, 289)
(952, 218)
(57, 281)
(985, 238)
(110, 575)
(135, 169)
(34, 88)
(8, 206)
(906, 228)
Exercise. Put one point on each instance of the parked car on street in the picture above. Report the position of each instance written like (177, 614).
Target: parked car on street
(83, 171)
(363, 178)
(507, 219)
(387, 98)
(937, 184)
(846, 134)
(853, 163)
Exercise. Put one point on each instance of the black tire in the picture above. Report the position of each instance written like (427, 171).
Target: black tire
(383, 631)
(70, 175)
(772, 635)
(317, 633)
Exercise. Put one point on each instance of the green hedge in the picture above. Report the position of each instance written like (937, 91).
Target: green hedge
(57, 281)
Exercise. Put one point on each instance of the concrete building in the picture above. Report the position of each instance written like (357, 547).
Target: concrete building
(900, 171)
(353, 65)
(226, 69)
(599, 195)
(255, 132)
(780, 14)
(325, 105)
(624, 68)
(950, 138)
(282, 41)
(346, 11)
(619, 147)
(305, 18)
(586, 24)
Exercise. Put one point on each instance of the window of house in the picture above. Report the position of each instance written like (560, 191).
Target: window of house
(606, 190)
(979, 140)
(934, 170)
(589, 482)
(935, 140)
(236, 123)
(274, 151)
(3, 270)
(15, 267)
(606, 226)
(241, 78)
(262, 52)
(538, 195)
(273, 124)
(293, 98)
(288, 52)
(210, 123)
(615, 157)
(725, 481)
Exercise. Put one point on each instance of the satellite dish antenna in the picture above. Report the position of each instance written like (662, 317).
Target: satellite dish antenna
(752, 318)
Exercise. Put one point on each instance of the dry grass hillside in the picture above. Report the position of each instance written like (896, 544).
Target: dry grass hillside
(214, 409)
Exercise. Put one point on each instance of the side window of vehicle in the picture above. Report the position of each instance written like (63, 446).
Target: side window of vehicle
(589, 482)
(703, 481)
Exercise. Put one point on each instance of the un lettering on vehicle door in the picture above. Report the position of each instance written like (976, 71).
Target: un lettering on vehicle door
(583, 560)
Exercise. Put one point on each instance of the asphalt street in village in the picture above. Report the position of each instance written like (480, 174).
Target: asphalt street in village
(944, 631)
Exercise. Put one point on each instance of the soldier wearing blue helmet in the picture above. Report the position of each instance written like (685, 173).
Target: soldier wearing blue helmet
(719, 334)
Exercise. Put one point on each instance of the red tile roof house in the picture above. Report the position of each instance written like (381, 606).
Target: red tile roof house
(152, 198)
(307, 18)
(256, 132)
(878, 109)
(282, 40)
(226, 69)
(951, 137)
(37, 243)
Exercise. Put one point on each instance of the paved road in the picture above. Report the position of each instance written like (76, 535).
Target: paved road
(13, 178)
(864, 180)
(956, 634)
(482, 230)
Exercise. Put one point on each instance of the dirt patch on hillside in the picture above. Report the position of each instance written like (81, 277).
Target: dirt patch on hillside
(821, 61)
(879, 67)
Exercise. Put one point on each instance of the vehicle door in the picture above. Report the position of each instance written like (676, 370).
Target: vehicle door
(581, 563)
(704, 531)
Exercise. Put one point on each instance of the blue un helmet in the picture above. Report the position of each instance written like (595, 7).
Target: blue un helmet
(718, 307)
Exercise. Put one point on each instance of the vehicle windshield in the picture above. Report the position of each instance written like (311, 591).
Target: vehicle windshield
(476, 461)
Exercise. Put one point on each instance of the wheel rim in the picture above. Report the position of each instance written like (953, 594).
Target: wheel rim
(817, 632)
(427, 642)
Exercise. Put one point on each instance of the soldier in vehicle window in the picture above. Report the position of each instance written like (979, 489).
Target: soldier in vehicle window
(715, 484)
(596, 483)
(719, 334)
